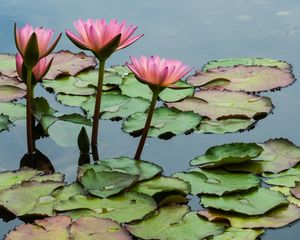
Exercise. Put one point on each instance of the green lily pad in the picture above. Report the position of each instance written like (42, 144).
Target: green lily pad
(66, 85)
(121, 208)
(165, 122)
(242, 78)
(247, 61)
(30, 198)
(11, 88)
(68, 63)
(229, 125)
(133, 88)
(8, 65)
(279, 217)
(288, 192)
(174, 222)
(41, 108)
(225, 154)
(286, 178)
(121, 70)
(144, 170)
(278, 155)
(239, 234)
(161, 184)
(218, 182)
(65, 192)
(4, 122)
(104, 184)
(116, 106)
(256, 202)
(218, 105)
(62, 228)
(15, 111)
(71, 100)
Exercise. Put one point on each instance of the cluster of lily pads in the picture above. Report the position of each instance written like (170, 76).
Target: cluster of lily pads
(226, 101)
(244, 188)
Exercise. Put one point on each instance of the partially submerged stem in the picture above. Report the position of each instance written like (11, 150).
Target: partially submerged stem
(30, 145)
(98, 103)
(147, 126)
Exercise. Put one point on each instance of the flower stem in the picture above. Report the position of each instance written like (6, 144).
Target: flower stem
(29, 112)
(98, 103)
(147, 126)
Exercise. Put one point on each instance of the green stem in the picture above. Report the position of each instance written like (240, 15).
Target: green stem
(147, 126)
(98, 103)
(29, 112)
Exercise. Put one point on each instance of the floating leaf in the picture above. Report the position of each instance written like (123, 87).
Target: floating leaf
(218, 182)
(256, 202)
(242, 78)
(104, 184)
(68, 63)
(229, 125)
(71, 100)
(66, 85)
(121, 70)
(247, 61)
(15, 111)
(8, 65)
(239, 234)
(225, 154)
(4, 122)
(276, 218)
(121, 208)
(145, 170)
(174, 222)
(288, 193)
(116, 106)
(165, 122)
(296, 190)
(161, 184)
(286, 178)
(41, 107)
(11, 88)
(217, 105)
(278, 155)
(30, 198)
(62, 228)
(133, 88)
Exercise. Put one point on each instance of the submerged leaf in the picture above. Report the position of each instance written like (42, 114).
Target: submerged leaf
(218, 182)
(174, 222)
(218, 105)
(164, 122)
(4, 122)
(256, 202)
(225, 154)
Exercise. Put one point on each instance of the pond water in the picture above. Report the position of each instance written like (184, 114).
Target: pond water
(194, 31)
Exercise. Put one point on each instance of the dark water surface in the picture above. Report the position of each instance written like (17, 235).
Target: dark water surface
(194, 31)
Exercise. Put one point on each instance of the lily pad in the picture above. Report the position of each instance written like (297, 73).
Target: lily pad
(225, 154)
(121, 70)
(296, 190)
(217, 105)
(256, 202)
(144, 170)
(133, 88)
(229, 125)
(174, 222)
(4, 122)
(62, 228)
(14, 111)
(278, 155)
(30, 198)
(124, 207)
(247, 61)
(242, 78)
(11, 89)
(67, 63)
(288, 192)
(279, 217)
(286, 178)
(71, 100)
(218, 182)
(8, 65)
(239, 234)
(116, 106)
(165, 122)
(106, 183)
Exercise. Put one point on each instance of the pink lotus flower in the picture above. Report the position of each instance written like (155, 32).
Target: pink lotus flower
(39, 71)
(158, 71)
(23, 35)
(99, 36)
